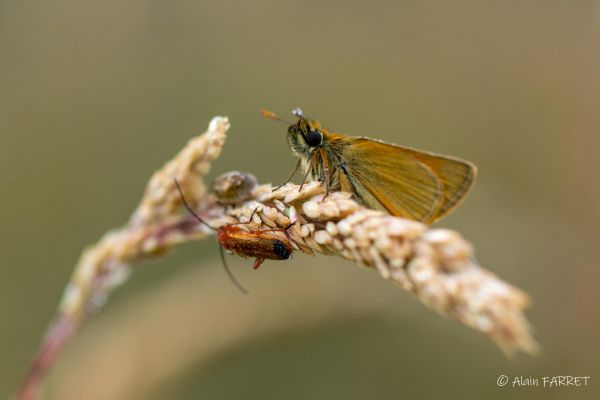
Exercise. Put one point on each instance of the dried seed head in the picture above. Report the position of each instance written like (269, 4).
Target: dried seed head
(435, 265)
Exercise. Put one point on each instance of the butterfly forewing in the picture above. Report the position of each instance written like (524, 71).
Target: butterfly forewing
(402, 181)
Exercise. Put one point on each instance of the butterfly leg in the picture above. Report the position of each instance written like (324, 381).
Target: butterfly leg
(325, 180)
(304, 179)
(290, 177)
(308, 170)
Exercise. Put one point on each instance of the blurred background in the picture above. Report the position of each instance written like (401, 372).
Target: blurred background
(95, 96)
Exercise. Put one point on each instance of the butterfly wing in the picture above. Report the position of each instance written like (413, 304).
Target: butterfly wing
(402, 181)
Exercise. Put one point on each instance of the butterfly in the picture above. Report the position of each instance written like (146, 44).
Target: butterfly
(402, 181)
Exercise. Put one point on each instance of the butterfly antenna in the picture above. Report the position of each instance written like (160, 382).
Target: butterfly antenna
(271, 115)
(189, 208)
(229, 273)
(297, 112)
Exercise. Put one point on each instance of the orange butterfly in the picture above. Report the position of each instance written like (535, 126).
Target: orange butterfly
(402, 181)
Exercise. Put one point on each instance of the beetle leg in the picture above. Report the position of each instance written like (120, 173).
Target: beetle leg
(258, 262)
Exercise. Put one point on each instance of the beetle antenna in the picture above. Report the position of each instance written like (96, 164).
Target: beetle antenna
(189, 208)
(229, 273)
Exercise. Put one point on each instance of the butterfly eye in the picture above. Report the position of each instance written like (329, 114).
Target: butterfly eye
(313, 138)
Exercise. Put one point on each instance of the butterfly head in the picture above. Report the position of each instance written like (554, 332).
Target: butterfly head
(305, 135)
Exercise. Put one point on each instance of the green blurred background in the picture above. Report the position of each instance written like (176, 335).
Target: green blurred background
(94, 96)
